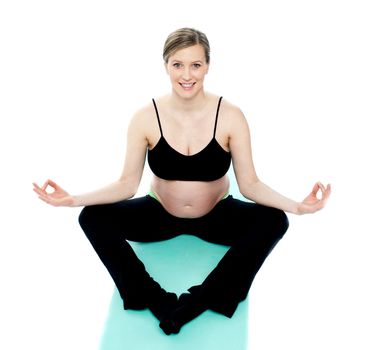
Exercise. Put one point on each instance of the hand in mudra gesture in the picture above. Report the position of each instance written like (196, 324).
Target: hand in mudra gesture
(58, 197)
(312, 203)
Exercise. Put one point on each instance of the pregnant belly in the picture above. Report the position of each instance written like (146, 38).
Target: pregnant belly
(189, 199)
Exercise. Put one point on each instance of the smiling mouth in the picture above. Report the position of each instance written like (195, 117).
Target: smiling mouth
(187, 86)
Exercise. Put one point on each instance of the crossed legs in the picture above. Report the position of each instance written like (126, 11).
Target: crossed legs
(249, 229)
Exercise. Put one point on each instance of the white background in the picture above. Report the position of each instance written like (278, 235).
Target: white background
(73, 73)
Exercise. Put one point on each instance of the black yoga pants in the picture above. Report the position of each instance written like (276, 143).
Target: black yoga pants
(249, 229)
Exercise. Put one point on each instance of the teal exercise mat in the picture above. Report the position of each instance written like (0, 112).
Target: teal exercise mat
(176, 264)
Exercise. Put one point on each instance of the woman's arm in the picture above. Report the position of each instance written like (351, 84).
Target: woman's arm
(261, 193)
(250, 185)
(58, 197)
(125, 187)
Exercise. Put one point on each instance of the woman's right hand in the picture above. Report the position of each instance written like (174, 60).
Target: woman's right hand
(58, 197)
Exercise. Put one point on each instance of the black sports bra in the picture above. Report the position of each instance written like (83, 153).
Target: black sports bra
(209, 164)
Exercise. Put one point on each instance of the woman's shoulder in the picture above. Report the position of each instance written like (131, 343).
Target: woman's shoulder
(144, 112)
(148, 109)
(144, 119)
(231, 112)
(230, 106)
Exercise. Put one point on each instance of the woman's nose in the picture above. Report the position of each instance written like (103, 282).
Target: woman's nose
(186, 74)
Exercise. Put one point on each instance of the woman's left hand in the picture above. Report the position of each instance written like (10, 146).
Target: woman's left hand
(312, 203)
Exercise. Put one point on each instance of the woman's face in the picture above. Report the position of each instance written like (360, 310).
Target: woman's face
(187, 69)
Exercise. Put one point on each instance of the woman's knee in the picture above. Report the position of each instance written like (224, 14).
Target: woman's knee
(277, 220)
(86, 216)
(93, 216)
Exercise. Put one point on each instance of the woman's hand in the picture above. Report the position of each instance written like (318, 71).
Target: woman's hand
(312, 203)
(58, 197)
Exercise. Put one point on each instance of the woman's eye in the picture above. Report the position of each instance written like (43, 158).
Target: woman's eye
(177, 65)
(197, 65)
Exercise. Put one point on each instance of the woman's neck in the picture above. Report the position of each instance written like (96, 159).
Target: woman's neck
(196, 103)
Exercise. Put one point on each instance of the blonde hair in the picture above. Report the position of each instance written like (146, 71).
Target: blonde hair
(183, 38)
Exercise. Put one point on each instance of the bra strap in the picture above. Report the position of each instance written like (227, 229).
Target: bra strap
(158, 117)
(216, 117)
